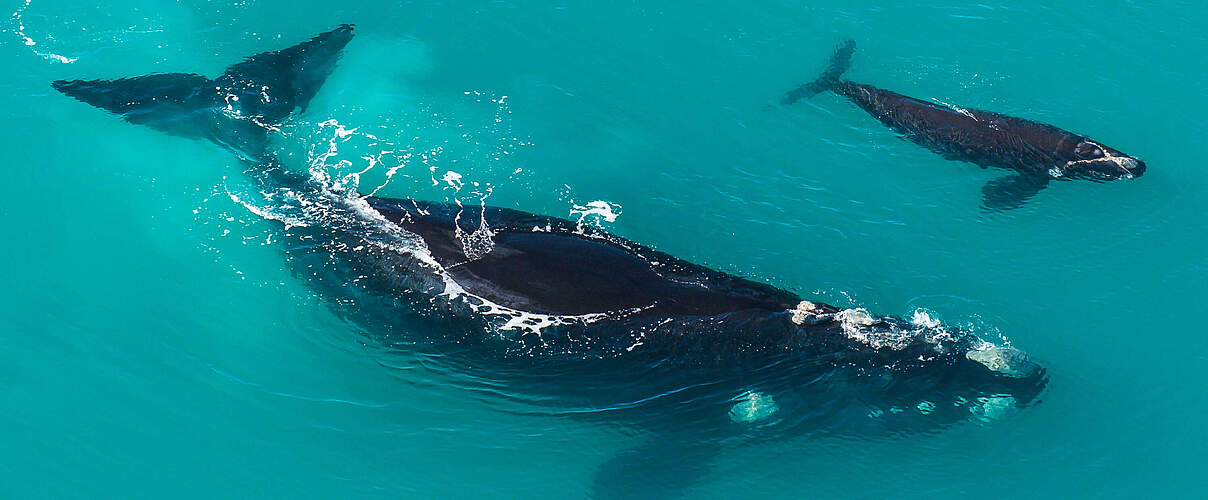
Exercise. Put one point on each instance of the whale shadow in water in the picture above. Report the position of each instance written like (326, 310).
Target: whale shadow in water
(1036, 152)
(575, 321)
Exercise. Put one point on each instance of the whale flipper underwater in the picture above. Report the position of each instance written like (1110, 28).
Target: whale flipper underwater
(1038, 153)
(576, 319)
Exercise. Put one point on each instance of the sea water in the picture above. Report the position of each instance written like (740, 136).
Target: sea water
(155, 343)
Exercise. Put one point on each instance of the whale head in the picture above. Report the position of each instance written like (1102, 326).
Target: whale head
(1091, 160)
(1004, 360)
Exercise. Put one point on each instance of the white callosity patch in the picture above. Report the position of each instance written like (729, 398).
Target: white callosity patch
(854, 318)
(1125, 163)
(807, 311)
(753, 407)
(1006, 360)
(856, 324)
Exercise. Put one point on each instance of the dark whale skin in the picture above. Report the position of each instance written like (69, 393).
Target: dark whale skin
(1037, 152)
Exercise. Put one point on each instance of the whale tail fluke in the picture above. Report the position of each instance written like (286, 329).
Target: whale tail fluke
(829, 78)
(290, 77)
(237, 109)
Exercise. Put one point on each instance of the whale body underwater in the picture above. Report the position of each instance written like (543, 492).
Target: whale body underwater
(592, 324)
(1036, 152)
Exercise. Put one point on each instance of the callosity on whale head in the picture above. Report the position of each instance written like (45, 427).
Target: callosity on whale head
(1091, 160)
(929, 363)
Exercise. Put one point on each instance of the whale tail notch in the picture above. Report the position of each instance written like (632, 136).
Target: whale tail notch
(839, 63)
(235, 110)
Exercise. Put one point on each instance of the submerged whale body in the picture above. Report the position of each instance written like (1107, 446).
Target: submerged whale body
(692, 357)
(1038, 153)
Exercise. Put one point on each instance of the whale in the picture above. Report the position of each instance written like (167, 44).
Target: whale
(1036, 153)
(571, 320)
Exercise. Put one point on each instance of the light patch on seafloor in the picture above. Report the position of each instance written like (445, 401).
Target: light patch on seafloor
(991, 408)
(753, 406)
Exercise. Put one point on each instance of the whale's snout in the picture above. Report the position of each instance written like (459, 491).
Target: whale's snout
(1005, 360)
(1135, 167)
(1123, 168)
(1095, 161)
(1010, 371)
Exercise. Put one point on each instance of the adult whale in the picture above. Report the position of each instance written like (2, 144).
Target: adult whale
(574, 319)
(1038, 153)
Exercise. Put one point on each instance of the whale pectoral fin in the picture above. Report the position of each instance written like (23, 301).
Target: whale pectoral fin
(662, 467)
(1012, 191)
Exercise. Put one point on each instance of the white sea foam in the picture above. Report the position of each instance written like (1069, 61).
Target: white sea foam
(20, 30)
(859, 325)
(453, 179)
(599, 208)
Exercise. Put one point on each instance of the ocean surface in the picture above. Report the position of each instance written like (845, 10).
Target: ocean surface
(156, 344)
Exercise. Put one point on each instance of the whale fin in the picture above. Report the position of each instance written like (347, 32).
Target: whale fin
(168, 102)
(663, 467)
(271, 85)
(829, 78)
(236, 109)
(1012, 191)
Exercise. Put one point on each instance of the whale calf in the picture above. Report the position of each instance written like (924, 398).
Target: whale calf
(1038, 153)
(588, 323)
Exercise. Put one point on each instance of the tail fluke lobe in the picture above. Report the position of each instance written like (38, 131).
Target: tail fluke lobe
(168, 102)
(271, 85)
(829, 78)
(235, 110)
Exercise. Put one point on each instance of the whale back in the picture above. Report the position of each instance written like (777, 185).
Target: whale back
(553, 266)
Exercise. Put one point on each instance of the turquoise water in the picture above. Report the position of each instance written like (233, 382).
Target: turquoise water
(157, 344)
